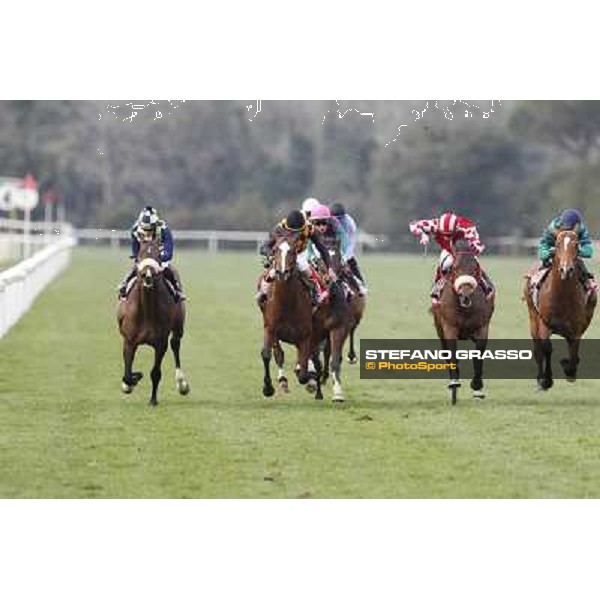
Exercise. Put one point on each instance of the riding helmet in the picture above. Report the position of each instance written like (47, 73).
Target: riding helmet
(148, 218)
(337, 209)
(294, 221)
(570, 218)
(447, 223)
(309, 205)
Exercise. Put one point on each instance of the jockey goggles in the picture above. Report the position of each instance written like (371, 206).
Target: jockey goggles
(319, 222)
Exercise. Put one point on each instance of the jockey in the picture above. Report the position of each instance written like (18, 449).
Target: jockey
(149, 226)
(568, 220)
(302, 231)
(330, 231)
(447, 230)
(308, 206)
(349, 226)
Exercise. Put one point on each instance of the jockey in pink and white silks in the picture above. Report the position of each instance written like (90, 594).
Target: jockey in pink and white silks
(448, 229)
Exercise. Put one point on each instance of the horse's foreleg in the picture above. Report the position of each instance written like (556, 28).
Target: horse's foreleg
(337, 337)
(181, 383)
(326, 359)
(449, 343)
(351, 352)
(570, 365)
(477, 381)
(318, 374)
(303, 358)
(543, 356)
(268, 389)
(130, 379)
(279, 357)
(156, 373)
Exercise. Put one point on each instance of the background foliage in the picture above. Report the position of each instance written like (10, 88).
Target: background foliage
(218, 164)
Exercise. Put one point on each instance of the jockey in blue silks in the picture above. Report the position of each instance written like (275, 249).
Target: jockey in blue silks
(150, 226)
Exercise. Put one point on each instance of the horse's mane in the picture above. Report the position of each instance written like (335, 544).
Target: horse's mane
(465, 260)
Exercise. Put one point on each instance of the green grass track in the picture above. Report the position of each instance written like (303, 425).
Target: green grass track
(67, 431)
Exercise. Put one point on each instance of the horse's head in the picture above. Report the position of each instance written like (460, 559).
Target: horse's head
(148, 264)
(284, 258)
(565, 253)
(465, 274)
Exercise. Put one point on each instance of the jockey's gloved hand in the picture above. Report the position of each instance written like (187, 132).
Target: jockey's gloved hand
(546, 253)
(478, 247)
(266, 261)
(424, 240)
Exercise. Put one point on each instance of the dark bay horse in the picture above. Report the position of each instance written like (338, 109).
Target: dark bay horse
(464, 313)
(287, 315)
(332, 323)
(149, 315)
(562, 309)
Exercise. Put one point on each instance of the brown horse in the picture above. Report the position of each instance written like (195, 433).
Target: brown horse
(464, 313)
(287, 315)
(149, 315)
(562, 309)
(332, 323)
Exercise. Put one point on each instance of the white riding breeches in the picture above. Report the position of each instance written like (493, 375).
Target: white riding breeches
(446, 261)
(302, 261)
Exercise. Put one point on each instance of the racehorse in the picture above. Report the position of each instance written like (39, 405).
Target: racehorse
(332, 323)
(149, 315)
(356, 301)
(464, 313)
(287, 315)
(562, 308)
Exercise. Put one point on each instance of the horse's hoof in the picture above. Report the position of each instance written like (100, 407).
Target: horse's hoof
(183, 388)
(352, 360)
(284, 385)
(311, 386)
(268, 391)
(127, 389)
(319, 395)
(454, 384)
(153, 403)
(479, 394)
(339, 399)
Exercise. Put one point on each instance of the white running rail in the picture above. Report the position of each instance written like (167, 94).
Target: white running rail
(21, 284)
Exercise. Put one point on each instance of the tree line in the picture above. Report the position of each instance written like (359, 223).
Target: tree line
(225, 164)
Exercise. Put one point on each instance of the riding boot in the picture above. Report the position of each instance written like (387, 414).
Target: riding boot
(587, 279)
(170, 275)
(488, 286)
(316, 285)
(264, 286)
(436, 290)
(360, 281)
(125, 282)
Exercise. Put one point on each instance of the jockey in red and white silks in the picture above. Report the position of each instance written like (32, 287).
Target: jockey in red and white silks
(448, 229)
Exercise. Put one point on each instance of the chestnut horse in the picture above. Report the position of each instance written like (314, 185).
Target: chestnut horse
(149, 315)
(562, 309)
(464, 313)
(287, 314)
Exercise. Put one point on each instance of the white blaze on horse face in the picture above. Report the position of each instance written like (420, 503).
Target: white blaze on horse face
(149, 263)
(464, 280)
(285, 248)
